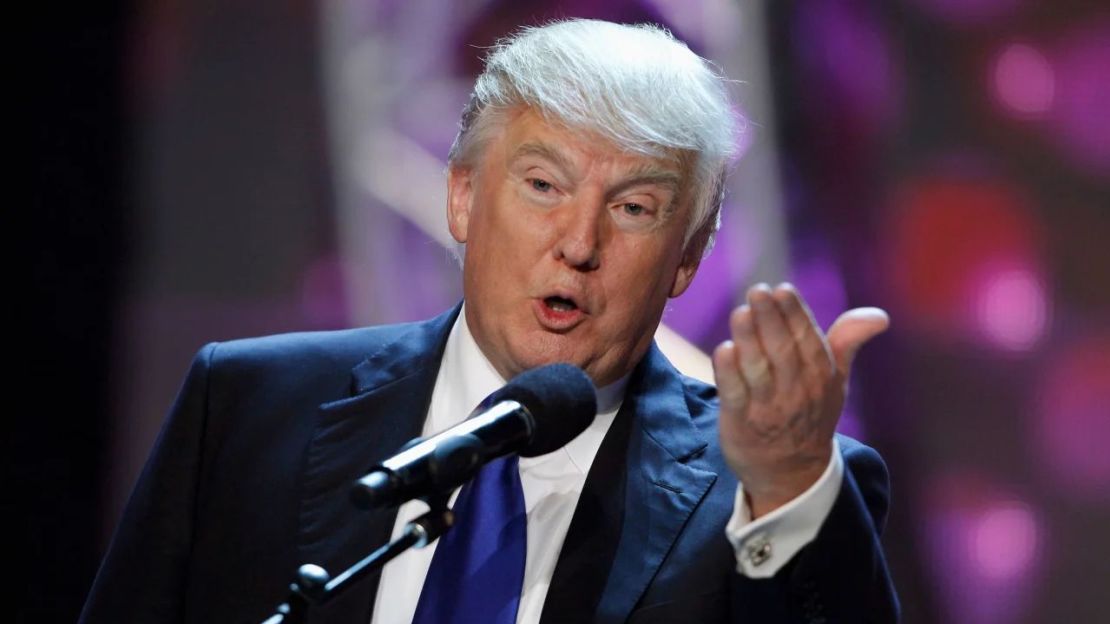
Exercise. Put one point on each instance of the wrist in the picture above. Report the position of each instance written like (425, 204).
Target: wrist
(779, 487)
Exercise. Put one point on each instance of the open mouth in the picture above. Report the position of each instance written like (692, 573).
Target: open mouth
(560, 304)
(559, 313)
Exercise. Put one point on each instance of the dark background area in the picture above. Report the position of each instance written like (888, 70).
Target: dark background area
(77, 246)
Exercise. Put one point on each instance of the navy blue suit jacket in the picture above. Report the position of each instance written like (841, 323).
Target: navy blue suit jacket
(251, 472)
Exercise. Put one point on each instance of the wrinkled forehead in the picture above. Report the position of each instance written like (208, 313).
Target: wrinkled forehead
(526, 130)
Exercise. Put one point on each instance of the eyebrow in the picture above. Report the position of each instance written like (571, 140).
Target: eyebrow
(645, 173)
(542, 151)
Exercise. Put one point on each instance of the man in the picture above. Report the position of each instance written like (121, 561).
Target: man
(585, 183)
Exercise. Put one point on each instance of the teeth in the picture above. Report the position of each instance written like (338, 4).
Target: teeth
(560, 305)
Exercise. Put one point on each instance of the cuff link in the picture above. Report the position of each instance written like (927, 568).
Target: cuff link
(758, 550)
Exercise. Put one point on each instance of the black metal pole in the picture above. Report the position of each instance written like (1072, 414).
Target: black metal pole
(314, 586)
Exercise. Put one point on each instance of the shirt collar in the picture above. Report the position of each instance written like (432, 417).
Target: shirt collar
(468, 377)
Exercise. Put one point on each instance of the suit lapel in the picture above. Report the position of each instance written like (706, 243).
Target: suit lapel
(644, 462)
(389, 401)
(589, 550)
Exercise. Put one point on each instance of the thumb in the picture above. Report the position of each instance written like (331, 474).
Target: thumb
(851, 330)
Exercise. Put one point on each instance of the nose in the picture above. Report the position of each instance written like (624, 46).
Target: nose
(579, 243)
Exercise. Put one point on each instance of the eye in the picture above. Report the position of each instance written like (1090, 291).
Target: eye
(644, 213)
(542, 186)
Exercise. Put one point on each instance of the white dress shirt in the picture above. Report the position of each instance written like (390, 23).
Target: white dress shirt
(552, 484)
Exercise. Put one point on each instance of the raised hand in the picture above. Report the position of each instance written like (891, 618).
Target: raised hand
(782, 384)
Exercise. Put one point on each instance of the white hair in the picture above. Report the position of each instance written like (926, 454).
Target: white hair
(635, 85)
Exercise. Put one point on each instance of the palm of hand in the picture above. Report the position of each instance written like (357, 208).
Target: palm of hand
(782, 385)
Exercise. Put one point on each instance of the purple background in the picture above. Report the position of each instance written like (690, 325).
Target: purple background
(211, 170)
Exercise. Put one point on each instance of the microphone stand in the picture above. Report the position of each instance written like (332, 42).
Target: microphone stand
(313, 586)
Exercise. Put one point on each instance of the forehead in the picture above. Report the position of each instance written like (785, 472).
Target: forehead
(527, 134)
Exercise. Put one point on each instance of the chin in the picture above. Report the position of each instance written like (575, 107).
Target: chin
(535, 360)
(530, 358)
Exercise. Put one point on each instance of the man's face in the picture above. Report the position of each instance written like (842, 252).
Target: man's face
(572, 248)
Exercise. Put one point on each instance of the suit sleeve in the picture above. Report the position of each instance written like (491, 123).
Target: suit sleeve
(842, 575)
(143, 577)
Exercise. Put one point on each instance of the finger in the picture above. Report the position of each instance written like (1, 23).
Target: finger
(816, 368)
(775, 337)
(851, 330)
(812, 347)
(731, 388)
(753, 365)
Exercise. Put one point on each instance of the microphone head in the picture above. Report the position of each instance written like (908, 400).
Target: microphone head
(561, 399)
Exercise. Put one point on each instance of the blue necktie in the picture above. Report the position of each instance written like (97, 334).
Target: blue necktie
(478, 567)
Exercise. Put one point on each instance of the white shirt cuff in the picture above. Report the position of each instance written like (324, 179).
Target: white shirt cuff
(766, 544)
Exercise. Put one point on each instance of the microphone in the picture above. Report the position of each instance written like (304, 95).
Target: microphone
(539, 411)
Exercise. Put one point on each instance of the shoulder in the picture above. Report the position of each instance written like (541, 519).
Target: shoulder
(305, 352)
(267, 382)
(347, 346)
(860, 457)
(303, 360)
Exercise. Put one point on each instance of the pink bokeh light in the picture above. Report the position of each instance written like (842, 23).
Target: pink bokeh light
(986, 548)
(1010, 307)
(1023, 81)
(1004, 541)
(965, 251)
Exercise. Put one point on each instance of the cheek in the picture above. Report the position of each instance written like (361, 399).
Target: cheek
(636, 291)
(510, 220)
(649, 265)
(499, 261)
(641, 285)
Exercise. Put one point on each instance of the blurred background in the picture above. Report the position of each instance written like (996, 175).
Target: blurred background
(209, 170)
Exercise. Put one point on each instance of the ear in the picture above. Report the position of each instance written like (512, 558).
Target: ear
(685, 274)
(460, 191)
(691, 260)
